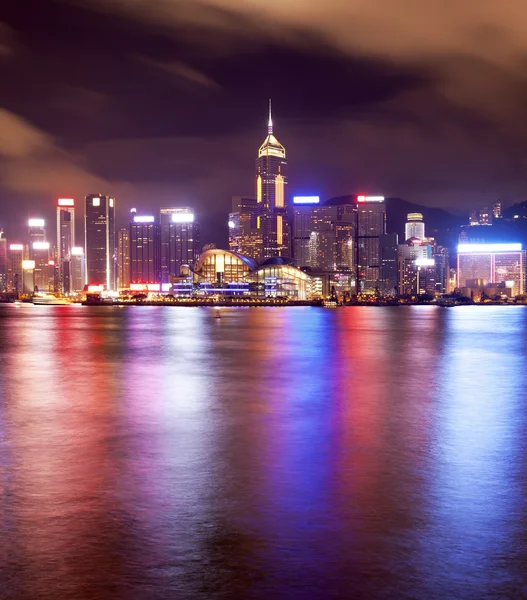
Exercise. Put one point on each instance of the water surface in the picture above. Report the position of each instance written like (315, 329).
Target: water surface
(158, 452)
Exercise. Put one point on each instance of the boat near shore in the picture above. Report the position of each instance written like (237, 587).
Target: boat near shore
(49, 299)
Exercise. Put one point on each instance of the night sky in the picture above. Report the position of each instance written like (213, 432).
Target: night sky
(164, 101)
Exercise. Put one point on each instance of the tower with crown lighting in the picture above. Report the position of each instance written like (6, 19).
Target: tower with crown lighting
(271, 198)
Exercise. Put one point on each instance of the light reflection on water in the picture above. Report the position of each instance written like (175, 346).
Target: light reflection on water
(152, 452)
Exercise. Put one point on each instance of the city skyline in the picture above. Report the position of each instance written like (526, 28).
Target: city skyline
(391, 127)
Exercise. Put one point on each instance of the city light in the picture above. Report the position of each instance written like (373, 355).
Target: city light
(370, 198)
(145, 287)
(66, 202)
(77, 251)
(16, 247)
(232, 224)
(143, 219)
(51, 263)
(183, 218)
(424, 262)
(36, 222)
(468, 248)
(40, 245)
(96, 201)
(28, 264)
(306, 200)
(95, 288)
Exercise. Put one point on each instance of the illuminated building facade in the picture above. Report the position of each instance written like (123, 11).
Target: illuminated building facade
(415, 227)
(414, 265)
(302, 227)
(371, 221)
(492, 264)
(100, 240)
(277, 277)
(145, 250)
(28, 276)
(44, 267)
(271, 181)
(244, 236)
(3, 262)
(14, 271)
(36, 233)
(222, 268)
(77, 269)
(123, 258)
(183, 241)
(441, 258)
(65, 241)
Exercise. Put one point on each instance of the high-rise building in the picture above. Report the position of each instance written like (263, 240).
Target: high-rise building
(165, 218)
(492, 263)
(100, 240)
(77, 267)
(441, 259)
(145, 250)
(123, 258)
(14, 272)
(414, 256)
(414, 228)
(36, 233)
(28, 276)
(65, 240)
(271, 179)
(44, 268)
(371, 226)
(302, 228)
(3, 262)
(244, 235)
(389, 264)
(184, 241)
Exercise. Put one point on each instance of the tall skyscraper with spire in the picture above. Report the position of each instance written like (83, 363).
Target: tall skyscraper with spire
(271, 179)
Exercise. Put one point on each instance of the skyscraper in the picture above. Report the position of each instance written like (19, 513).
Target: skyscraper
(302, 228)
(65, 240)
(14, 273)
(414, 228)
(371, 226)
(44, 269)
(3, 262)
(77, 269)
(100, 240)
(123, 258)
(271, 180)
(184, 241)
(165, 218)
(244, 236)
(36, 233)
(145, 250)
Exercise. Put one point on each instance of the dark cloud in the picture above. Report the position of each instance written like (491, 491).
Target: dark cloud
(163, 101)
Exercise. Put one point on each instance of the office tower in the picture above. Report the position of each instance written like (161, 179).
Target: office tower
(441, 259)
(303, 245)
(44, 267)
(414, 228)
(100, 240)
(389, 264)
(65, 240)
(3, 262)
(183, 242)
(123, 258)
(413, 255)
(14, 271)
(28, 276)
(77, 267)
(482, 216)
(271, 179)
(371, 226)
(36, 233)
(165, 218)
(244, 235)
(492, 264)
(145, 250)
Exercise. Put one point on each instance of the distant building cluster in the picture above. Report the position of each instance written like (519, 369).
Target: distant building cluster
(300, 247)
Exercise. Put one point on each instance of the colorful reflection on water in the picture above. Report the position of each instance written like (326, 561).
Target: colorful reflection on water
(151, 452)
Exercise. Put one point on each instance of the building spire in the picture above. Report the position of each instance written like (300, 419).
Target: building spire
(270, 124)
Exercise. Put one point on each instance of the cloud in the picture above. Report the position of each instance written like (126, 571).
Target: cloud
(32, 162)
(182, 72)
(18, 138)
